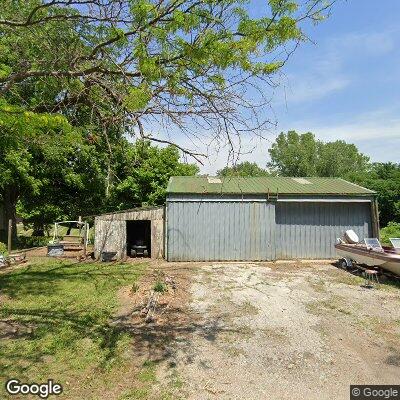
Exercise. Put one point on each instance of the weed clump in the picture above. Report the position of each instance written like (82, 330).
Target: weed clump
(160, 287)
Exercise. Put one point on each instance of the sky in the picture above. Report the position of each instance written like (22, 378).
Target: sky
(344, 85)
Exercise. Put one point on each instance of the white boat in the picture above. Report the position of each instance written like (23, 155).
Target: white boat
(371, 253)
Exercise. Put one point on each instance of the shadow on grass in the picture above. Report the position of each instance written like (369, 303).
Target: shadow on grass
(50, 309)
(53, 309)
(30, 280)
(147, 341)
(160, 342)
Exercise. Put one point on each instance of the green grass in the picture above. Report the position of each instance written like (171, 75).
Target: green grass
(392, 230)
(57, 318)
(62, 230)
(334, 303)
(349, 279)
(148, 372)
(135, 394)
(318, 284)
(247, 308)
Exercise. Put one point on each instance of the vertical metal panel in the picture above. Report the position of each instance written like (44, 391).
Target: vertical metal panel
(205, 231)
(309, 230)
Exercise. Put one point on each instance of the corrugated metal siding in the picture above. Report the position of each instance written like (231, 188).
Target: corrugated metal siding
(309, 230)
(204, 231)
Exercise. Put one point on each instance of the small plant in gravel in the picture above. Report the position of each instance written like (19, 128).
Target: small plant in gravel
(135, 287)
(160, 287)
(248, 308)
(318, 285)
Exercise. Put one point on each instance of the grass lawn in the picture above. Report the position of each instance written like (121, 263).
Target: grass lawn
(55, 320)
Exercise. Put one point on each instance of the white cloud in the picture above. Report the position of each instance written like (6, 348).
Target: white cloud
(376, 133)
(328, 70)
(310, 79)
(363, 131)
(383, 123)
(310, 88)
(368, 43)
(313, 79)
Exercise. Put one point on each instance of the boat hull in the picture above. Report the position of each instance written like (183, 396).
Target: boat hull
(387, 261)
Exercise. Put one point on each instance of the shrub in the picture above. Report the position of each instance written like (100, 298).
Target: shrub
(3, 249)
(160, 287)
(392, 230)
(26, 242)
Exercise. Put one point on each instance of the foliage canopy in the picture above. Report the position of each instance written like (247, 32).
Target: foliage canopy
(245, 168)
(294, 154)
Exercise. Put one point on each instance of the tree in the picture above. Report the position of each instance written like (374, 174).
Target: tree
(52, 172)
(339, 158)
(384, 178)
(100, 70)
(130, 63)
(245, 168)
(72, 184)
(46, 165)
(295, 154)
(142, 174)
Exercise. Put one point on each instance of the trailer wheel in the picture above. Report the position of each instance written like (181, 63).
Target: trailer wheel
(145, 253)
(133, 253)
(343, 263)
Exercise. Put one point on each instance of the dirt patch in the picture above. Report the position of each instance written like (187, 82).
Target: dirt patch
(155, 341)
(249, 330)
(282, 331)
(14, 330)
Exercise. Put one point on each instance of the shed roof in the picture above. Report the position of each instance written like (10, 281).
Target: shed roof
(129, 210)
(264, 185)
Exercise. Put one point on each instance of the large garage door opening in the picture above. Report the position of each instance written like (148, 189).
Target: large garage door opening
(138, 238)
(309, 230)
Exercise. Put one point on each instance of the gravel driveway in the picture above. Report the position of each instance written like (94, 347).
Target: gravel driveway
(284, 332)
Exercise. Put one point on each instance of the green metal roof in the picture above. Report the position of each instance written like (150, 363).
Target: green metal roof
(264, 185)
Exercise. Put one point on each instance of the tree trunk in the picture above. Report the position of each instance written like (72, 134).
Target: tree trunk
(10, 205)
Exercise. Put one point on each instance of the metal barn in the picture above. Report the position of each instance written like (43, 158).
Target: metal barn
(263, 218)
(118, 232)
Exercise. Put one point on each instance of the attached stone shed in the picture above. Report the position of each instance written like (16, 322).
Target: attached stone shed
(264, 218)
(117, 232)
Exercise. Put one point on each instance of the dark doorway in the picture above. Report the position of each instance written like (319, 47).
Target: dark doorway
(138, 238)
